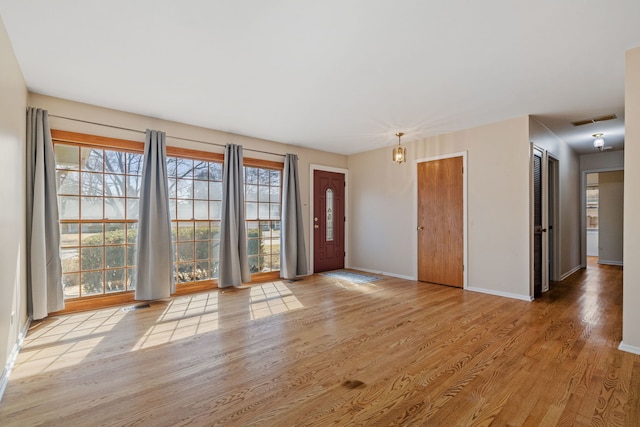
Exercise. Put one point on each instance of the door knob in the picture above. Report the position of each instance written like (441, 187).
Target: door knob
(420, 228)
(316, 226)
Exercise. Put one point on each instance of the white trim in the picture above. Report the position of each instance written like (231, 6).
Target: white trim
(384, 273)
(11, 360)
(527, 298)
(628, 348)
(345, 172)
(465, 242)
(607, 262)
(570, 272)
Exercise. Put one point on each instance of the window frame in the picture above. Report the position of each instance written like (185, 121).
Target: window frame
(96, 141)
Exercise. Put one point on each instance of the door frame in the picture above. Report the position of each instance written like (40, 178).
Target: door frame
(465, 245)
(583, 209)
(345, 172)
(553, 180)
(548, 191)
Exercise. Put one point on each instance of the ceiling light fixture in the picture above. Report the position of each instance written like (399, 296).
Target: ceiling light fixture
(399, 152)
(598, 142)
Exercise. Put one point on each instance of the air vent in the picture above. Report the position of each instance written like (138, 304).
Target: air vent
(594, 120)
(135, 307)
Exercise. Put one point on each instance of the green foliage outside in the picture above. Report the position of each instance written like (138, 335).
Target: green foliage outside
(114, 250)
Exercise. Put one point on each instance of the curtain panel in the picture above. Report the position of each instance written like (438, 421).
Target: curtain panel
(293, 254)
(234, 262)
(45, 293)
(154, 274)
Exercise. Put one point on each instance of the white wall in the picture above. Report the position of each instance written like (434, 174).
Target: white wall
(569, 197)
(631, 278)
(91, 113)
(383, 206)
(606, 160)
(13, 105)
(610, 217)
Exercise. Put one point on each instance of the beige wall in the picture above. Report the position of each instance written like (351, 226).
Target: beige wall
(631, 280)
(383, 206)
(610, 217)
(79, 111)
(13, 105)
(569, 197)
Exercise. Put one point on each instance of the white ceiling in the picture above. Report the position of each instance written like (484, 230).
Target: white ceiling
(336, 75)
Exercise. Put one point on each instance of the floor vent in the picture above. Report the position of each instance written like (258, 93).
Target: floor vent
(595, 120)
(135, 307)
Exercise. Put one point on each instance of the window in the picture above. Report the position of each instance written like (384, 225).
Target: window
(592, 206)
(195, 197)
(262, 202)
(98, 195)
(98, 186)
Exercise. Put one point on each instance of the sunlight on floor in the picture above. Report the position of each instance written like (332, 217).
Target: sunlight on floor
(272, 298)
(189, 316)
(66, 341)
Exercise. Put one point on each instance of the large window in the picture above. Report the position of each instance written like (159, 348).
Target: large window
(195, 193)
(98, 185)
(262, 201)
(98, 195)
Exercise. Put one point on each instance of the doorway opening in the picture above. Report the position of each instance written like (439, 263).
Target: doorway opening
(603, 194)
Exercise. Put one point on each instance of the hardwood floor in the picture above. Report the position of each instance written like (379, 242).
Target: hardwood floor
(322, 352)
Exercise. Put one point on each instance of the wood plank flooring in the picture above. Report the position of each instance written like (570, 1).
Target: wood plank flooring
(323, 352)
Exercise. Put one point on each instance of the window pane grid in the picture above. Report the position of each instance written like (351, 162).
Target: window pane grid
(262, 208)
(195, 199)
(98, 192)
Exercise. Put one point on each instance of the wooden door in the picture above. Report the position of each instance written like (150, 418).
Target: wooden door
(328, 221)
(441, 222)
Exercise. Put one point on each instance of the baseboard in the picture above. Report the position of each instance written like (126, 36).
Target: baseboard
(383, 273)
(629, 348)
(570, 272)
(606, 262)
(4, 378)
(527, 298)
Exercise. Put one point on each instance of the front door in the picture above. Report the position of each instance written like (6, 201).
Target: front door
(328, 220)
(441, 222)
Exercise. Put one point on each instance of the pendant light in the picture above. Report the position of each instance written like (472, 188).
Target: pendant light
(598, 142)
(399, 152)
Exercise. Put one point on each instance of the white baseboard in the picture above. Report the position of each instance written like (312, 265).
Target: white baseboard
(606, 262)
(629, 348)
(501, 294)
(570, 272)
(4, 378)
(383, 273)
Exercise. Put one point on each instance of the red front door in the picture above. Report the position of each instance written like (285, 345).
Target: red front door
(328, 221)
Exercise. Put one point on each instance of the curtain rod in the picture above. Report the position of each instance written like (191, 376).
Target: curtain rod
(168, 136)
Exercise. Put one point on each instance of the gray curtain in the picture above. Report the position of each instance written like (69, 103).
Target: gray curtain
(234, 262)
(293, 254)
(44, 268)
(154, 247)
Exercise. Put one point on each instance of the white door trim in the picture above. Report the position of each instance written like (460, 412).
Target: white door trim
(345, 172)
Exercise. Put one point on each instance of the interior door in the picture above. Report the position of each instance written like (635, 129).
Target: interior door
(540, 262)
(441, 222)
(328, 220)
